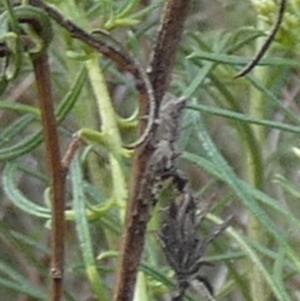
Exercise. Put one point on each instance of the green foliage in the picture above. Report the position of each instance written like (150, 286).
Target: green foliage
(230, 148)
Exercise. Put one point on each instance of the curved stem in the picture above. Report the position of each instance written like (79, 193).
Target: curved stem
(123, 60)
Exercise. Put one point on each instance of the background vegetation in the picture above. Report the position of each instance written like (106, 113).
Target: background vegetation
(239, 146)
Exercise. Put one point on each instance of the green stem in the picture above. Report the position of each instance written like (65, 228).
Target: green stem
(109, 130)
(83, 232)
(256, 110)
(85, 111)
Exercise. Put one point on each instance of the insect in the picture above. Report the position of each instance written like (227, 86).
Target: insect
(183, 247)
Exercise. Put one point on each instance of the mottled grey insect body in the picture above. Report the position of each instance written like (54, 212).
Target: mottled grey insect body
(183, 247)
(162, 164)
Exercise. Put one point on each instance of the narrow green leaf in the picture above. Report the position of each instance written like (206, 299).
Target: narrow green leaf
(277, 102)
(21, 148)
(244, 118)
(69, 100)
(16, 196)
(18, 282)
(83, 232)
(239, 61)
(278, 271)
(18, 108)
(199, 79)
(288, 186)
(15, 128)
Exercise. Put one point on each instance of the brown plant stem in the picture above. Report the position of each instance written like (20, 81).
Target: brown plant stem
(164, 54)
(56, 171)
(141, 202)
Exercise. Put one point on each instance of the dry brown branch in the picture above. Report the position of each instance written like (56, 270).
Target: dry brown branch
(45, 102)
(141, 199)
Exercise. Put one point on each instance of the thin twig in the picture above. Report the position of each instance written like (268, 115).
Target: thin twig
(267, 42)
(70, 153)
(40, 25)
(124, 61)
(43, 81)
